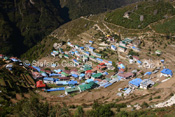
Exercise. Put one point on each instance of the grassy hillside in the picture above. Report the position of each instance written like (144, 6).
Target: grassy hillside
(141, 14)
(14, 84)
(67, 31)
(167, 26)
(77, 8)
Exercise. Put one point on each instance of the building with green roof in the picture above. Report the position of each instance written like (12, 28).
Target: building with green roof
(90, 85)
(122, 48)
(97, 75)
(98, 55)
(64, 74)
(66, 56)
(158, 52)
(87, 67)
(92, 58)
(71, 90)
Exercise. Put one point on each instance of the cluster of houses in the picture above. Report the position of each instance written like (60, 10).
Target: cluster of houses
(85, 54)
(10, 60)
(93, 76)
(126, 44)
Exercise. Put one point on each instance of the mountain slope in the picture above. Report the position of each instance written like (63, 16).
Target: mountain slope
(24, 23)
(77, 8)
(141, 15)
(95, 26)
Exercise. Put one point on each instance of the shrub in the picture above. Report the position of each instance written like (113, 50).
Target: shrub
(144, 105)
(171, 94)
(79, 112)
(158, 97)
(150, 98)
(72, 106)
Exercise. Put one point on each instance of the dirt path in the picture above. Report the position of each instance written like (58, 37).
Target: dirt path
(98, 28)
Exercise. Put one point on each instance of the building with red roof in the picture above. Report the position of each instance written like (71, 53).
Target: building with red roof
(101, 64)
(36, 75)
(135, 58)
(99, 80)
(64, 78)
(119, 63)
(40, 84)
(88, 72)
(126, 75)
(1, 56)
(121, 70)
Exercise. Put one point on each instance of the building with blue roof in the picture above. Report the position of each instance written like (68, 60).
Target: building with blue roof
(75, 62)
(56, 75)
(81, 76)
(91, 48)
(162, 61)
(89, 80)
(91, 42)
(135, 83)
(44, 74)
(81, 48)
(99, 60)
(55, 89)
(57, 70)
(50, 80)
(113, 47)
(72, 52)
(139, 62)
(14, 60)
(54, 65)
(72, 82)
(148, 73)
(127, 91)
(62, 82)
(166, 72)
(9, 67)
(37, 68)
(87, 53)
(77, 53)
(110, 62)
(121, 66)
(135, 49)
(68, 43)
(75, 75)
(105, 73)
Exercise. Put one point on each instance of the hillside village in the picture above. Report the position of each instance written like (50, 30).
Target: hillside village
(96, 58)
(92, 70)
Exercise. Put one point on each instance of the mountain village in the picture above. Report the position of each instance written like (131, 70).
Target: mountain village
(93, 70)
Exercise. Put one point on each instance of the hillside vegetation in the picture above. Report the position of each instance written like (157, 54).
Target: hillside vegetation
(167, 26)
(77, 8)
(65, 32)
(138, 16)
(24, 23)
(34, 107)
(76, 29)
(14, 84)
